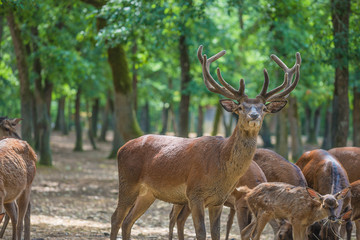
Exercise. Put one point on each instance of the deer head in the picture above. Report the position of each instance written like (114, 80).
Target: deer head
(251, 111)
(329, 202)
(7, 127)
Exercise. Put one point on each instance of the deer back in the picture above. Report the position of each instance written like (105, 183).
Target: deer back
(349, 157)
(17, 166)
(277, 169)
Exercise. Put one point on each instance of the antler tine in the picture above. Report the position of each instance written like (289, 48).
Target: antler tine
(286, 92)
(265, 85)
(226, 85)
(209, 81)
(242, 88)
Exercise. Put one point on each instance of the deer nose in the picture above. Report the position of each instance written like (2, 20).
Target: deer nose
(254, 116)
(332, 218)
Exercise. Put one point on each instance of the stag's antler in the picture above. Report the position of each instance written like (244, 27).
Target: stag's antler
(227, 90)
(289, 72)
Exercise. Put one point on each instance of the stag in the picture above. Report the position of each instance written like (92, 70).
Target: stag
(201, 172)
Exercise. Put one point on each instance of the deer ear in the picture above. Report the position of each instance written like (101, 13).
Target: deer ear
(15, 121)
(314, 194)
(228, 105)
(275, 106)
(342, 194)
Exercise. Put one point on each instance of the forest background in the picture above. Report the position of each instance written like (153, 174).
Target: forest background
(130, 66)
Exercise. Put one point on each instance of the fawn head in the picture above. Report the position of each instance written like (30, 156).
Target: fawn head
(7, 127)
(329, 202)
(251, 111)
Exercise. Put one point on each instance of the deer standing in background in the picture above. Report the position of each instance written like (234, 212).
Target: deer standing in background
(201, 172)
(236, 202)
(17, 171)
(301, 206)
(349, 157)
(355, 204)
(326, 175)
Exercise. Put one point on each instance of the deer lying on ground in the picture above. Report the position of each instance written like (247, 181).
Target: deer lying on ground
(301, 206)
(236, 202)
(326, 175)
(17, 172)
(201, 172)
(355, 204)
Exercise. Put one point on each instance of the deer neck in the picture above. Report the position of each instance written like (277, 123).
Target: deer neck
(240, 146)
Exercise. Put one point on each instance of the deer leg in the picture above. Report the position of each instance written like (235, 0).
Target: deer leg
(357, 225)
(346, 228)
(262, 220)
(23, 202)
(142, 203)
(27, 223)
(229, 222)
(246, 232)
(11, 210)
(214, 215)
(197, 212)
(180, 222)
(275, 226)
(298, 232)
(175, 211)
(126, 200)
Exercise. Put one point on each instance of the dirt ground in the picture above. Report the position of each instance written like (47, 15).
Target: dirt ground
(76, 197)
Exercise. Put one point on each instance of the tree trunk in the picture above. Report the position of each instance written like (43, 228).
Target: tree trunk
(185, 95)
(340, 12)
(145, 118)
(356, 118)
(70, 114)
(295, 129)
(117, 140)
(60, 123)
(42, 91)
(36, 132)
(165, 118)
(282, 133)
(228, 126)
(200, 123)
(126, 122)
(90, 127)
(216, 120)
(78, 127)
(95, 117)
(25, 92)
(105, 119)
(134, 73)
(265, 134)
(327, 134)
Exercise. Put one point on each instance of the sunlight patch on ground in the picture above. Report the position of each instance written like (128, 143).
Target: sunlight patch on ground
(65, 221)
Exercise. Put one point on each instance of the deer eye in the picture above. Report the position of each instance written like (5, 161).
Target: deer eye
(6, 129)
(240, 108)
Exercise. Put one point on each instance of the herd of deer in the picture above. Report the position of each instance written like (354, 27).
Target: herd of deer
(312, 199)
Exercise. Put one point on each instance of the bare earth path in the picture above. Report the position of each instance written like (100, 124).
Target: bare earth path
(77, 196)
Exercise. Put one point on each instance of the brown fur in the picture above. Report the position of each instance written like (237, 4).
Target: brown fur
(253, 177)
(326, 175)
(355, 204)
(349, 157)
(299, 205)
(17, 171)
